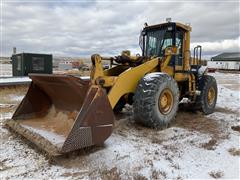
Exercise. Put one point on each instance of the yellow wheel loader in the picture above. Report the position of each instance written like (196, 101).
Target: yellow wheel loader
(62, 113)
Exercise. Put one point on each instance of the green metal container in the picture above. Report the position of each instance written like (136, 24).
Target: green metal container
(25, 63)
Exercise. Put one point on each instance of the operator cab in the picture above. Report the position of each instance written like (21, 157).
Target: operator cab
(155, 39)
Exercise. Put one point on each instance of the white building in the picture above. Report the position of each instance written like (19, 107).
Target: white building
(225, 61)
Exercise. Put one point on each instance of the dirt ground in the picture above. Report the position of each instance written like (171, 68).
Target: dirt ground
(195, 146)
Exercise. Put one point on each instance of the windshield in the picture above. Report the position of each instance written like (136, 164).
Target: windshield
(154, 41)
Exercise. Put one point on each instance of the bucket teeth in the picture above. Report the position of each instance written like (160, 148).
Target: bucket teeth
(63, 113)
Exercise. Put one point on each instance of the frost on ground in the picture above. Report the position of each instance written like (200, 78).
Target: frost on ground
(195, 146)
(5, 70)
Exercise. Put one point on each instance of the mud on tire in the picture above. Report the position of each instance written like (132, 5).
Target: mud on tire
(146, 105)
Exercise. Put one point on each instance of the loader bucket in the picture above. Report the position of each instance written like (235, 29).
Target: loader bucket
(62, 113)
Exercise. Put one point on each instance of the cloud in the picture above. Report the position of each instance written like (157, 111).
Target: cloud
(85, 28)
(228, 44)
(212, 48)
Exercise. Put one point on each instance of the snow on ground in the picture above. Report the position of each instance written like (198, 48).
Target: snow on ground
(195, 146)
(14, 79)
(5, 70)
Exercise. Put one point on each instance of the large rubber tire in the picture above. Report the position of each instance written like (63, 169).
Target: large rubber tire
(146, 106)
(206, 83)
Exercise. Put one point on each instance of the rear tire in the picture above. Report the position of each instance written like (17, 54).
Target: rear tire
(206, 102)
(156, 100)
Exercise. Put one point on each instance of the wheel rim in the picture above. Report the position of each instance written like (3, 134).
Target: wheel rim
(165, 102)
(211, 96)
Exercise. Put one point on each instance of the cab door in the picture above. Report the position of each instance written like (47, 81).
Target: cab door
(179, 44)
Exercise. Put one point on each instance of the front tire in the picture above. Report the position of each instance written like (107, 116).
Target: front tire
(156, 100)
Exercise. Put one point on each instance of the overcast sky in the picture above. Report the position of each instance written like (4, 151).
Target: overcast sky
(74, 28)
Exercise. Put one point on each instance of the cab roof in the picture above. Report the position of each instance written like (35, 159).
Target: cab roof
(183, 26)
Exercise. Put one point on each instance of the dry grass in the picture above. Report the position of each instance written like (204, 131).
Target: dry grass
(234, 151)
(73, 175)
(157, 174)
(139, 177)
(216, 174)
(210, 145)
(112, 174)
(236, 128)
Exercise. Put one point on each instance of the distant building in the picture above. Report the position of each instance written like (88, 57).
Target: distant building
(25, 63)
(225, 61)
